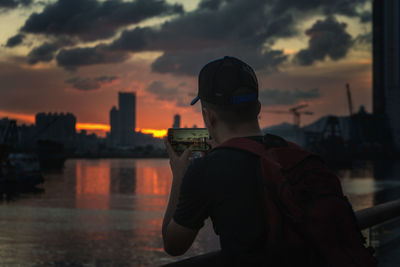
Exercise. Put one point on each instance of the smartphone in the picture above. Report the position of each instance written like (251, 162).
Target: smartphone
(182, 138)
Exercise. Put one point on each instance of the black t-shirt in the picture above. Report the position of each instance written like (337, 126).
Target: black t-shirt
(223, 186)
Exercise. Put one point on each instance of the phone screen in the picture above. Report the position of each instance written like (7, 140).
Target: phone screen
(182, 138)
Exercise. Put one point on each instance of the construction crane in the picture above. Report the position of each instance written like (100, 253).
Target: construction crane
(349, 100)
(295, 111)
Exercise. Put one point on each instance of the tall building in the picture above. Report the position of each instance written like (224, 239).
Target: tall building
(386, 65)
(114, 125)
(177, 121)
(127, 117)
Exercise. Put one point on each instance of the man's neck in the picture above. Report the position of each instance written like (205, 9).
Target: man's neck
(225, 133)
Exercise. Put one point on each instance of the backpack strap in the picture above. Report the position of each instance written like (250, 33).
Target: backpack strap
(263, 152)
(260, 150)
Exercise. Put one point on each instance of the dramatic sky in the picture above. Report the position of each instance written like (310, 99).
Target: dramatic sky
(76, 55)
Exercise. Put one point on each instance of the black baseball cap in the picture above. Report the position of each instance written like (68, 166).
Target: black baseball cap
(227, 81)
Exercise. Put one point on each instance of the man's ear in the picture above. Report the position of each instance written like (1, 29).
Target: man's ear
(258, 107)
(209, 116)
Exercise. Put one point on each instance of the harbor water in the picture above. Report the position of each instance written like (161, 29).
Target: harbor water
(108, 212)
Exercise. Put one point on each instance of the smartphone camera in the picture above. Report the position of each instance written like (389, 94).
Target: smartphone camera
(182, 138)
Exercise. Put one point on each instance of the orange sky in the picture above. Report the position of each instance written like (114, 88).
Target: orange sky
(157, 115)
(45, 87)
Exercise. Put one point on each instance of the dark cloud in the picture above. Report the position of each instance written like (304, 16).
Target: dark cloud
(366, 17)
(8, 4)
(222, 28)
(328, 7)
(241, 28)
(71, 59)
(183, 62)
(42, 53)
(162, 92)
(88, 20)
(83, 84)
(89, 84)
(363, 41)
(106, 79)
(166, 93)
(269, 97)
(93, 20)
(189, 63)
(194, 38)
(210, 4)
(135, 40)
(327, 38)
(46, 51)
(15, 40)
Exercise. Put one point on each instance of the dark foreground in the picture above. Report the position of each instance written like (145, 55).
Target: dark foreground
(108, 213)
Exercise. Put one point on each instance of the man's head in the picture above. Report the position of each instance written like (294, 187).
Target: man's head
(228, 91)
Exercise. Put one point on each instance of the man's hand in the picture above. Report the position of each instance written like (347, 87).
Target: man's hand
(212, 142)
(179, 162)
(177, 239)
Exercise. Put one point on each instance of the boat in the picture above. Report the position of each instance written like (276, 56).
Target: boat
(25, 169)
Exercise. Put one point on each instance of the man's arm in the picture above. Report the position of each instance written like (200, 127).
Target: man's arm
(177, 239)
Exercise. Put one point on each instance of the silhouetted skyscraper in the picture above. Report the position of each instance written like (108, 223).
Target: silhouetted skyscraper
(127, 117)
(177, 121)
(114, 125)
(386, 64)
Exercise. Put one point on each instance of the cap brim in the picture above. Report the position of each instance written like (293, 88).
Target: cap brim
(194, 101)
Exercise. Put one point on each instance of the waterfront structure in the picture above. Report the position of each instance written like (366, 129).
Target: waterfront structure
(386, 66)
(177, 121)
(8, 131)
(55, 126)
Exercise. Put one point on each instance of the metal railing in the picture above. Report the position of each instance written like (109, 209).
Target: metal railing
(378, 214)
(381, 228)
(367, 219)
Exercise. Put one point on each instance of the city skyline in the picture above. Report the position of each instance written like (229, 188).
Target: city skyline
(302, 53)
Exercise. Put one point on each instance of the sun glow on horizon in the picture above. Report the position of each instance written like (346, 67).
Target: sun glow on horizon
(154, 132)
(158, 133)
(30, 119)
(93, 126)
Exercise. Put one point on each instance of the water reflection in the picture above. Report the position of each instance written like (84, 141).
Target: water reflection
(92, 185)
(123, 178)
(387, 174)
(109, 212)
(156, 178)
(371, 183)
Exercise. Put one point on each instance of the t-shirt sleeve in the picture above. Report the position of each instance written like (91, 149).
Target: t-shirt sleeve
(194, 200)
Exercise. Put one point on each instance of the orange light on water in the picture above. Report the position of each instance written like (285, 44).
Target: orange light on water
(93, 184)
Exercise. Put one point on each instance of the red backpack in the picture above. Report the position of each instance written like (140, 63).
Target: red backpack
(304, 205)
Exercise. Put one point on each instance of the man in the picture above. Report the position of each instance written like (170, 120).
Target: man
(221, 185)
(271, 202)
